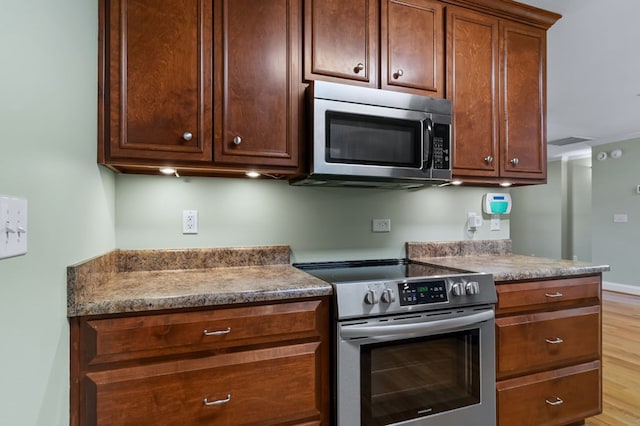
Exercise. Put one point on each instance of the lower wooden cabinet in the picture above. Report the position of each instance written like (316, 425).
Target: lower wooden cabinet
(265, 364)
(526, 343)
(556, 397)
(270, 386)
(548, 351)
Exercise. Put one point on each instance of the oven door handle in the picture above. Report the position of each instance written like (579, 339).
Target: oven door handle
(419, 328)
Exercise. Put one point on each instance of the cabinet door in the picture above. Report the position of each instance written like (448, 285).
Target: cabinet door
(472, 86)
(548, 294)
(523, 101)
(535, 342)
(341, 41)
(267, 386)
(257, 82)
(109, 340)
(557, 397)
(155, 80)
(412, 46)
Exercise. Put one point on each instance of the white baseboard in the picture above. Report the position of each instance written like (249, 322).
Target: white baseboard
(621, 288)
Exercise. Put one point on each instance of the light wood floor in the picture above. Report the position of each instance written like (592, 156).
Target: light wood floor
(620, 361)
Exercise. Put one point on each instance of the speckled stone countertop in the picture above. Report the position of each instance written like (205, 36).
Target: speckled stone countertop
(495, 257)
(146, 280)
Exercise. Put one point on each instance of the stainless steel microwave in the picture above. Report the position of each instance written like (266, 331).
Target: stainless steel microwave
(376, 138)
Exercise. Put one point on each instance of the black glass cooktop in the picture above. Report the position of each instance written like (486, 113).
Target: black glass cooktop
(371, 270)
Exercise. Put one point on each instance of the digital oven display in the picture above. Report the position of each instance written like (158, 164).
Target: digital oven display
(422, 293)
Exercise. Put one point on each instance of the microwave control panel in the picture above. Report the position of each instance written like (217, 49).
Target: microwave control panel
(422, 293)
(441, 149)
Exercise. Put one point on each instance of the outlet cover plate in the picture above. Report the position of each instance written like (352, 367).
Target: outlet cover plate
(190, 221)
(381, 225)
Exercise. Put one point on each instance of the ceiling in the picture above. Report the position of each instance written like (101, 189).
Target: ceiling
(593, 72)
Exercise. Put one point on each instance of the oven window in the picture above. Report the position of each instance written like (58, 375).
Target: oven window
(419, 377)
(371, 140)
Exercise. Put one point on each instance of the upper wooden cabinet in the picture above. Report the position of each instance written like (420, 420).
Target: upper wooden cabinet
(496, 81)
(155, 88)
(257, 83)
(343, 41)
(412, 43)
(208, 87)
(522, 107)
(473, 63)
(216, 87)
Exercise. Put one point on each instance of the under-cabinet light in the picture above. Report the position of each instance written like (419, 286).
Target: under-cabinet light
(169, 171)
(252, 174)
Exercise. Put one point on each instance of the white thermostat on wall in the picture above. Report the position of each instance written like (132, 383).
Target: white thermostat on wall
(496, 203)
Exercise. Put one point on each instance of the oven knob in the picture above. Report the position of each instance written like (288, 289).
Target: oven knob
(370, 297)
(472, 288)
(457, 289)
(388, 296)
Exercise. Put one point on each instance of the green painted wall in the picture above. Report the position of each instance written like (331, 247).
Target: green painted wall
(318, 223)
(536, 216)
(47, 154)
(554, 220)
(614, 192)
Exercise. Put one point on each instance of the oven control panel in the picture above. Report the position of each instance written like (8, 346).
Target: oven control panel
(422, 293)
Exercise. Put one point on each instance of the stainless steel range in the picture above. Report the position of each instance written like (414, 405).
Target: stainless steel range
(415, 344)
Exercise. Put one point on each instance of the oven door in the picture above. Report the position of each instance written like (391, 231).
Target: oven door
(430, 368)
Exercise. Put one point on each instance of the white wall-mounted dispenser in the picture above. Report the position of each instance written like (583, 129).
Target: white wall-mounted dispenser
(496, 203)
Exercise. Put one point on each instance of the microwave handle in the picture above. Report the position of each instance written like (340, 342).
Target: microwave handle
(428, 131)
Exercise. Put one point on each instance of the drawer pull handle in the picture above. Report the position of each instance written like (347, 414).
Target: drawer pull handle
(217, 333)
(554, 341)
(556, 294)
(558, 401)
(218, 402)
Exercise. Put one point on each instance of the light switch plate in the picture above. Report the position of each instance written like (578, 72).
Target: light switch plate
(13, 226)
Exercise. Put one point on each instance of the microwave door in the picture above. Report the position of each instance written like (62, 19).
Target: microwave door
(428, 145)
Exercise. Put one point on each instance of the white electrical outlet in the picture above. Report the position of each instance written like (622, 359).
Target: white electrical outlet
(381, 225)
(473, 221)
(190, 221)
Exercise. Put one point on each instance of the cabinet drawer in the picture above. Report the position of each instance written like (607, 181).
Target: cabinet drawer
(126, 338)
(544, 294)
(529, 343)
(555, 397)
(266, 386)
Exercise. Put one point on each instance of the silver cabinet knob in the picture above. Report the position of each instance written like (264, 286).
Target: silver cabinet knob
(358, 68)
(488, 159)
(187, 136)
(515, 161)
(237, 140)
(398, 73)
